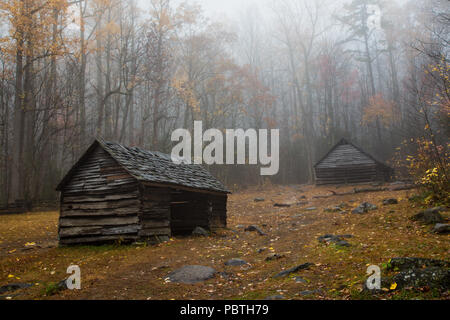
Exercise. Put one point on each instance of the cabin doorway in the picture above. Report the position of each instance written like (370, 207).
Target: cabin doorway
(189, 210)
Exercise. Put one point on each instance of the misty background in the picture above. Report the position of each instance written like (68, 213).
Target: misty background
(372, 71)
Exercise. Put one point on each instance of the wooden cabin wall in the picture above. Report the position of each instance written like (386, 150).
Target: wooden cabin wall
(155, 213)
(344, 175)
(100, 203)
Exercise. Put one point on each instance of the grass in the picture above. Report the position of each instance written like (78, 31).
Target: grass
(138, 271)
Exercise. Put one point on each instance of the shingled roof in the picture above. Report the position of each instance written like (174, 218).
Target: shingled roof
(154, 167)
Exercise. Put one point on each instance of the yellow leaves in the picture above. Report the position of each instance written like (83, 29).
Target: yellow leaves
(393, 286)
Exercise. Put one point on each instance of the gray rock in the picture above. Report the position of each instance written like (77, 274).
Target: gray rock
(433, 277)
(260, 200)
(236, 262)
(282, 205)
(261, 250)
(311, 209)
(390, 201)
(254, 228)
(200, 232)
(274, 256)
(337, 240)
(441, 228)
(429, 216)
(191, 274)
(403, 264)
(293, 270)
(300, 280)
(364, 208)
(14, 286)
(333, 209)
(277, 297)
(310, 292)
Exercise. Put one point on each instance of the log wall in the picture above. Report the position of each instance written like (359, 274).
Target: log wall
(100, 203)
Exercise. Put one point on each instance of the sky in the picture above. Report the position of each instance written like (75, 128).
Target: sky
(222, 9)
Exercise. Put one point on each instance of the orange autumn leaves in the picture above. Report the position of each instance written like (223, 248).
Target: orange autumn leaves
(380, 109)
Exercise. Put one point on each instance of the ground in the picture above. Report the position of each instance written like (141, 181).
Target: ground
(29, 252)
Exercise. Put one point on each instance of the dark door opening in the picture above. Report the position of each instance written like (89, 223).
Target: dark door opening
(187, 211)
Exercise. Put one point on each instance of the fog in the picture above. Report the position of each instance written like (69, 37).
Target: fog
(374, 72)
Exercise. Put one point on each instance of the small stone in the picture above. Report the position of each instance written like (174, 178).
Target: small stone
(441, 228)
(235, 262)
(260, 199)
(261, 250)
(300, 280)
(309, 292)
(364, 208)
(337, 240)
(333, 209)
(200, 232)
(274, 256)
(278, 297)
(390, 201)
(282, 205)
(311, 209)
(293, 270)
(254, 228)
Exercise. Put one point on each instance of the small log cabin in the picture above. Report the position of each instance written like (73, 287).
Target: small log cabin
(346, 163)
(117, 193)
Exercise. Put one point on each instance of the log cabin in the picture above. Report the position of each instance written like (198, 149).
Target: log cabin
(116, 193)
(346, 163)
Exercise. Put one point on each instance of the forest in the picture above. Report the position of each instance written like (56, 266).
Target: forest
(373, 71)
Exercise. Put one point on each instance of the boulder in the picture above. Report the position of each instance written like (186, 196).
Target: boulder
(432, 277)
(402, 264)
(191, 274)
(441, 228)
(429, 216)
